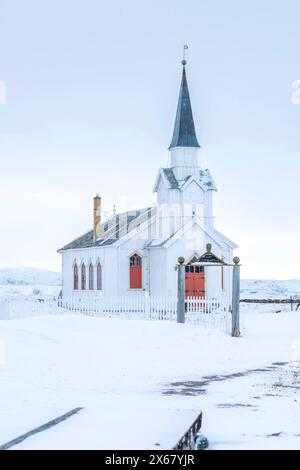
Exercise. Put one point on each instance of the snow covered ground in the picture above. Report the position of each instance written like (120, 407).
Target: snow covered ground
(141, 383)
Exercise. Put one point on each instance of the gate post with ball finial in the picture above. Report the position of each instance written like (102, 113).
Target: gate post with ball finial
(235, 326)
(181, 290)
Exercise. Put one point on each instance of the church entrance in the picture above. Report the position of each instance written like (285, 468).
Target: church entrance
(194, 281)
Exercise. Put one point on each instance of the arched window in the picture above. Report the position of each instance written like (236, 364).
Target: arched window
(75, 277)
(91, 276)
(83, 277)
(135, 272)
(99, 276)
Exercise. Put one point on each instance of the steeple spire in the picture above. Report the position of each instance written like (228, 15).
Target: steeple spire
(184, 134)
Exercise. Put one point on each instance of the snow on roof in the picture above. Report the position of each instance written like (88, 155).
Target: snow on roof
(112, 230)
(171, 178)
(206, 179)
(203, 177)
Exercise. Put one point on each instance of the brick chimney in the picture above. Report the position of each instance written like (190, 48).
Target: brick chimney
(97, 216)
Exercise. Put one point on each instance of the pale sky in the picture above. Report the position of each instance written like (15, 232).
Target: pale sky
(92, 89)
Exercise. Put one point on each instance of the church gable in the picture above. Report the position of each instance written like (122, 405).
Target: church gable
(167, 178)
(193, 191)
(193, 232)
(210, 257)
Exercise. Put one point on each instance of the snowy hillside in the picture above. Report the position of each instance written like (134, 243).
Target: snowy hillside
(25, 280)
(15, 281)
(29, 276)
(269, 289)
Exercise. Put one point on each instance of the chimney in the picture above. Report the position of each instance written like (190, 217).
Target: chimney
(97, 216)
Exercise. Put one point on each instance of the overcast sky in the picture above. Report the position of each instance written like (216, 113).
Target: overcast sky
(92, 89)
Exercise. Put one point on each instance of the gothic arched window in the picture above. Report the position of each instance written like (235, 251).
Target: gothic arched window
(135, 271)
(83, 277)
(91, 276)
(75, 276)
(99, 276)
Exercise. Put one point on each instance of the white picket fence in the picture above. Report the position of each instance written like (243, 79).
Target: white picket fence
(209, 313)
(26, 307)
(143, 307)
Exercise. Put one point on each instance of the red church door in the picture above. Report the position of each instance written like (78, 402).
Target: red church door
(194, 281)
(135, 272)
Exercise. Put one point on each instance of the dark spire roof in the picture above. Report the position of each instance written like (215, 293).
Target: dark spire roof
(184, 134)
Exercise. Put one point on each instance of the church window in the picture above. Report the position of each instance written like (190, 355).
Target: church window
(83, 277)
(75, 277)
(91, 276)
(99, 276)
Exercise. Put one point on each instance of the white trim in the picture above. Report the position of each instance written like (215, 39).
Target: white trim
(191, 257)
(135, 252)
(139, 289)
(161, 174)
(226, 240)
(216, 236)
(189, 181)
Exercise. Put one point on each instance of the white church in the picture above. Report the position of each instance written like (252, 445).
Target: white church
(136, 252)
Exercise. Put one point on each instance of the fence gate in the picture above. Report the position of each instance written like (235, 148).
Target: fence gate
(210, 313)
(194, 281)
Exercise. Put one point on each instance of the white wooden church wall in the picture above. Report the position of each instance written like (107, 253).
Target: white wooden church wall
(158, 276)
(87, 255)
(158, 271)
(184, 161)
(208, 209)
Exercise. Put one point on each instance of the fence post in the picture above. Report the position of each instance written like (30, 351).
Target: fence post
(235, 331)
(181, 290)
(147, 305)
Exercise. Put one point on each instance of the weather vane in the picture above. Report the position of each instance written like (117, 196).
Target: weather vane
(185, 47)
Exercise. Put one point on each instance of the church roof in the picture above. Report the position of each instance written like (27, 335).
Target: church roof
(171, 178)
(209, 257)
(112, 229)
(212, 233)
(184, 134)
(203, 177)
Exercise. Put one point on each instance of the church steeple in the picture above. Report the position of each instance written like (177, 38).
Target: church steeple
(184, 134)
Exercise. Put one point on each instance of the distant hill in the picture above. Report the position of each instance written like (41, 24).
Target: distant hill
(250, 288)
(29, 277)
(269, 289)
